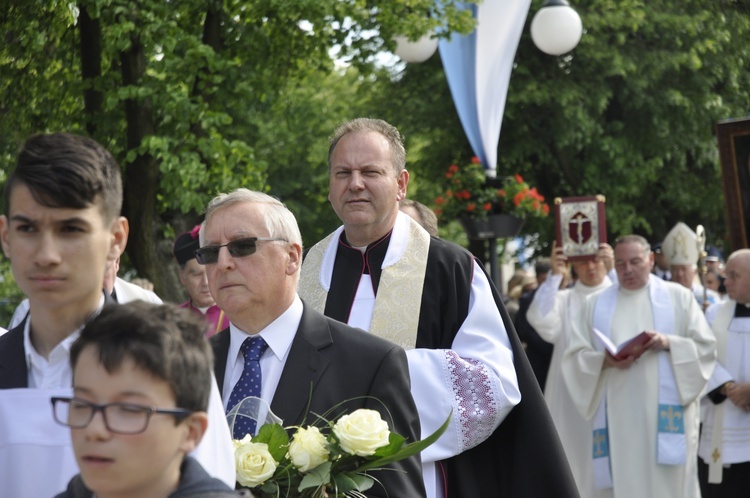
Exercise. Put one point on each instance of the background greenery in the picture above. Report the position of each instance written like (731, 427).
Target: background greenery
(200, 97)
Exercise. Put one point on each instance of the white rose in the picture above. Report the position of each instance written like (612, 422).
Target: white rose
(240, 442)
(361, 432)
(308, 449)
(254, 464)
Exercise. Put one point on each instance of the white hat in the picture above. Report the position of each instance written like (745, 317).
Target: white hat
(681, 245)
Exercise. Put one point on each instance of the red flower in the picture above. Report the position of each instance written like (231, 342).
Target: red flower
(519, 178)
(453, 168)
(518, 199)
(545, 209)
(476, 160)
(471, 207)
(487, 206)
(439, 200)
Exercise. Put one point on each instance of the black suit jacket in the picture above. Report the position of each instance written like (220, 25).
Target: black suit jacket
(330, 362)
(13, 370)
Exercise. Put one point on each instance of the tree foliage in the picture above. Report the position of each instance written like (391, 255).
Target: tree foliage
(186, 94)
(198, 97)
(630, 113)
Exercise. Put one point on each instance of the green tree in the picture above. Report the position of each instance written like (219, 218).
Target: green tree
(185, 93)
(630, 113)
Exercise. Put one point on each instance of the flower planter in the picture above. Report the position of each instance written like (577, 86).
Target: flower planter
(493, 226)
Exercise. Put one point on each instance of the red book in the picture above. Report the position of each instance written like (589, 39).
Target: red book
(631, 347)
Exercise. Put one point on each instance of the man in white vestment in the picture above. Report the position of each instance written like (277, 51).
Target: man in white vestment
(681, 248)
(383, 273)
(644, 407)
(61, 230)
(551, 313)
(724, 449)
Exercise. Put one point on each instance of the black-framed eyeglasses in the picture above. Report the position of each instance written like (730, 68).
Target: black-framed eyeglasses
(239, 248)
(121, 418)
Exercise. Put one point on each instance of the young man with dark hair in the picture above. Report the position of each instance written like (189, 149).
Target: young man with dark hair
(146, 369)
(60, 230)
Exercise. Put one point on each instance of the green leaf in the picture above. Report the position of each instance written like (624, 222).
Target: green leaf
(317, 477)
(276, 438)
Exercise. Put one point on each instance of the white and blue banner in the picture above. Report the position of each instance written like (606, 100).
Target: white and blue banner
(478, 68)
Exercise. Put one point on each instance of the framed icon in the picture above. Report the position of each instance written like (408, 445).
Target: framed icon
(734, 153)
(580, 226)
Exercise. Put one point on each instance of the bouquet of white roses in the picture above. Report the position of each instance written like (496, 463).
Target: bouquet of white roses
(316, 462)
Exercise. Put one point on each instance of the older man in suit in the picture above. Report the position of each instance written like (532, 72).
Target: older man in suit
(252, 249)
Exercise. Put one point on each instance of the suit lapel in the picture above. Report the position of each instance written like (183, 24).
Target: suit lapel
(220, 345)
(13, 370)
(303, 369)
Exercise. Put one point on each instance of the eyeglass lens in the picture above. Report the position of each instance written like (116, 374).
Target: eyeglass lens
(237, 249)
(123, 418)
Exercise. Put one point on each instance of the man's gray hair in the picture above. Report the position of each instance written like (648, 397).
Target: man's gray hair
(631, 239)
(365, 125)
(280, 222)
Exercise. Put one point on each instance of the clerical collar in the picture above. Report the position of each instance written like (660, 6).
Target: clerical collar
(372, 256)
(742, 310)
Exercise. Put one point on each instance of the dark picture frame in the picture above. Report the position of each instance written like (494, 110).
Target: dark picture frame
(734, 154)
(580, 226)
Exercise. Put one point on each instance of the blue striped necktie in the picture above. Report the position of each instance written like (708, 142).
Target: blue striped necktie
(248, 385)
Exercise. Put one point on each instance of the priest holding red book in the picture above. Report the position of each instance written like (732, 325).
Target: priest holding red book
(644, 407)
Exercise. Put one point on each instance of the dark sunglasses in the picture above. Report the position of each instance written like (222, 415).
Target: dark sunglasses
(239, 248)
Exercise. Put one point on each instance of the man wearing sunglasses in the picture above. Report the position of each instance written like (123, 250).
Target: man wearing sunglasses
(300, 362)
(382, 272)
(61, 229)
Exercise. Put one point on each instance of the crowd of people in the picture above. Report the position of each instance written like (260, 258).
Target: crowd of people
(115, 393)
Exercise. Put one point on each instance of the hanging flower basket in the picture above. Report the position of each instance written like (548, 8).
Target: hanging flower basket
(493, 226)
(470, 195)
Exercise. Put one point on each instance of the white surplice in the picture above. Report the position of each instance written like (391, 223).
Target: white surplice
(736, 431)
(633, 393)
(551, 313)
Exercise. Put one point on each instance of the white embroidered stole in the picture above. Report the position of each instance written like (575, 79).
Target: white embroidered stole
(395, 315)
(721, 330)
(671, 441)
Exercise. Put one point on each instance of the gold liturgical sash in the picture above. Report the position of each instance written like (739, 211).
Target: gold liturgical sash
(399, 299)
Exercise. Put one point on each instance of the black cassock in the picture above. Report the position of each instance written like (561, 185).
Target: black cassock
(523, 458)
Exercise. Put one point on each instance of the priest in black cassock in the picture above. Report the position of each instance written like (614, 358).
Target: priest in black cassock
(382, 272)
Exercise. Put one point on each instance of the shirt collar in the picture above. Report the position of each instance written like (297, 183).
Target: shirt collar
(279, 334)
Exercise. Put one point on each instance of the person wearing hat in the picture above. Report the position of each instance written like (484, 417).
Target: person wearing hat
(193, 278)
(713, 259)
(681, 250)
(661, 265)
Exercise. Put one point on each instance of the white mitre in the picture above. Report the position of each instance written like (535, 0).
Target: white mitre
(681, 245)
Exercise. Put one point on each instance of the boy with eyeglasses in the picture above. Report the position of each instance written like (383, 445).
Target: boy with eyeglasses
(141, 384)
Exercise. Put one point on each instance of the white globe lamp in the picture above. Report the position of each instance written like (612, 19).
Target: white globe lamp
(415, 51)
(556, 28)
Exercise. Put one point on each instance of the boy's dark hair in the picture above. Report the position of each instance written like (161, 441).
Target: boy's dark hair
(68, 171)
(163, 340)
